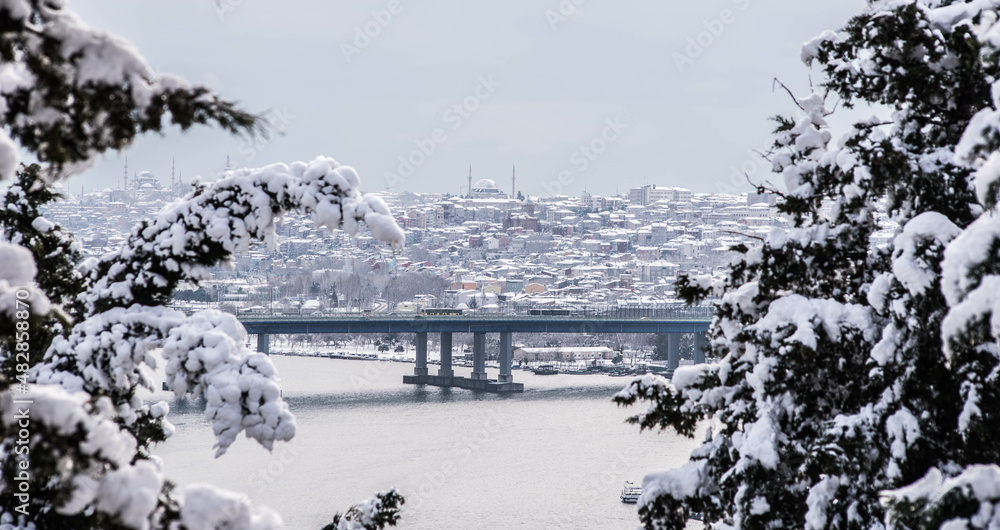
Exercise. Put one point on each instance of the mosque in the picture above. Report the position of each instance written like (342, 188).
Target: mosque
(486, 189)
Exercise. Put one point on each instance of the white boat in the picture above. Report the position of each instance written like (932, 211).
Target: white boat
(631, 493)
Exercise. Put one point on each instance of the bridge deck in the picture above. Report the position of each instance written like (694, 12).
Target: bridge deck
(472, 324)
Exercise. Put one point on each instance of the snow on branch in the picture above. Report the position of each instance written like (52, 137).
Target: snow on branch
(796, 319)
(668, 496)
(69, 93)
(934, 501)
(371, 514)
(109, 354)
(103, 355)
(669, 407)
(206, 358)
(74, 432)
(94, 474)
(17, 277)
(970, 278)
(220, 219)
(203, 506)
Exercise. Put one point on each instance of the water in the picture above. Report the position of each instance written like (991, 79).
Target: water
(555, 456)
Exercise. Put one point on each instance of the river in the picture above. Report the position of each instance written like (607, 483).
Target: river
(555, 456)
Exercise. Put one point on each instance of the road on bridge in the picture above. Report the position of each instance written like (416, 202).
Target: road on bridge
(491, 323)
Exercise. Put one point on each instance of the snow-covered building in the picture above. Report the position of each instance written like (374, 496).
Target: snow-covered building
(650, 194)
(568, 353)
(486, 189)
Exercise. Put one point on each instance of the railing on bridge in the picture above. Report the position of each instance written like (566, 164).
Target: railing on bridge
(609, 312)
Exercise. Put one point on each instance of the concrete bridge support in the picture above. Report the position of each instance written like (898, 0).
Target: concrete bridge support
(264, 343)
(506, 357)
(700, 343)
(446, 375)
(446, 370)
(479, 356)
(673, 350)
(420, 340)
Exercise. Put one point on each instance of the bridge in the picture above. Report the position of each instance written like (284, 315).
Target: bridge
(673, 324)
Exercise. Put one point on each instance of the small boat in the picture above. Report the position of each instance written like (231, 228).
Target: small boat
(545, 369)
(631, 493)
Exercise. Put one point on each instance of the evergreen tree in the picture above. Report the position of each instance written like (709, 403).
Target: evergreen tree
(851, 372)
(76, 335)
(661, 348)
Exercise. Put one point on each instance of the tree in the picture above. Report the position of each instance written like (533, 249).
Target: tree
(659, 342)
(856, 386)
(76, 336)
(405, 286)
(334, 297)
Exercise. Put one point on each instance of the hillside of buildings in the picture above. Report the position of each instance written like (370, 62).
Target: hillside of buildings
(483, 252)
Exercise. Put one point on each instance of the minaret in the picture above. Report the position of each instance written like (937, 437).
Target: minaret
(126, 174)
(470, 181)
(173, 168)
(228, 167)
(513, 181)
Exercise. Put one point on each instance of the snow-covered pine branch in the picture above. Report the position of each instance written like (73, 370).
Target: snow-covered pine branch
(55, 251)
(18, 274)
(108, 354)
(370, 514)
(83, 473)
(833, 384)
(107, 357)
(222, 218)
(69, 92)
(970, 500)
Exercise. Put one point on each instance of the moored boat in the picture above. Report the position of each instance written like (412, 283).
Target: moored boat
(631, 493)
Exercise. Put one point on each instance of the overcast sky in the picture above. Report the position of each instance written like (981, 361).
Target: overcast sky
(599, 95)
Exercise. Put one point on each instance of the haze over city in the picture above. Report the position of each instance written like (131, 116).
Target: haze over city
(562, 68)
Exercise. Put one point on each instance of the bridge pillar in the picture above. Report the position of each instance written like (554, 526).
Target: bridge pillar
(506, 357)
(673, 350)
(479, 356)
(264, 343)
(445, 370)
(421, 343)
(700, 343)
